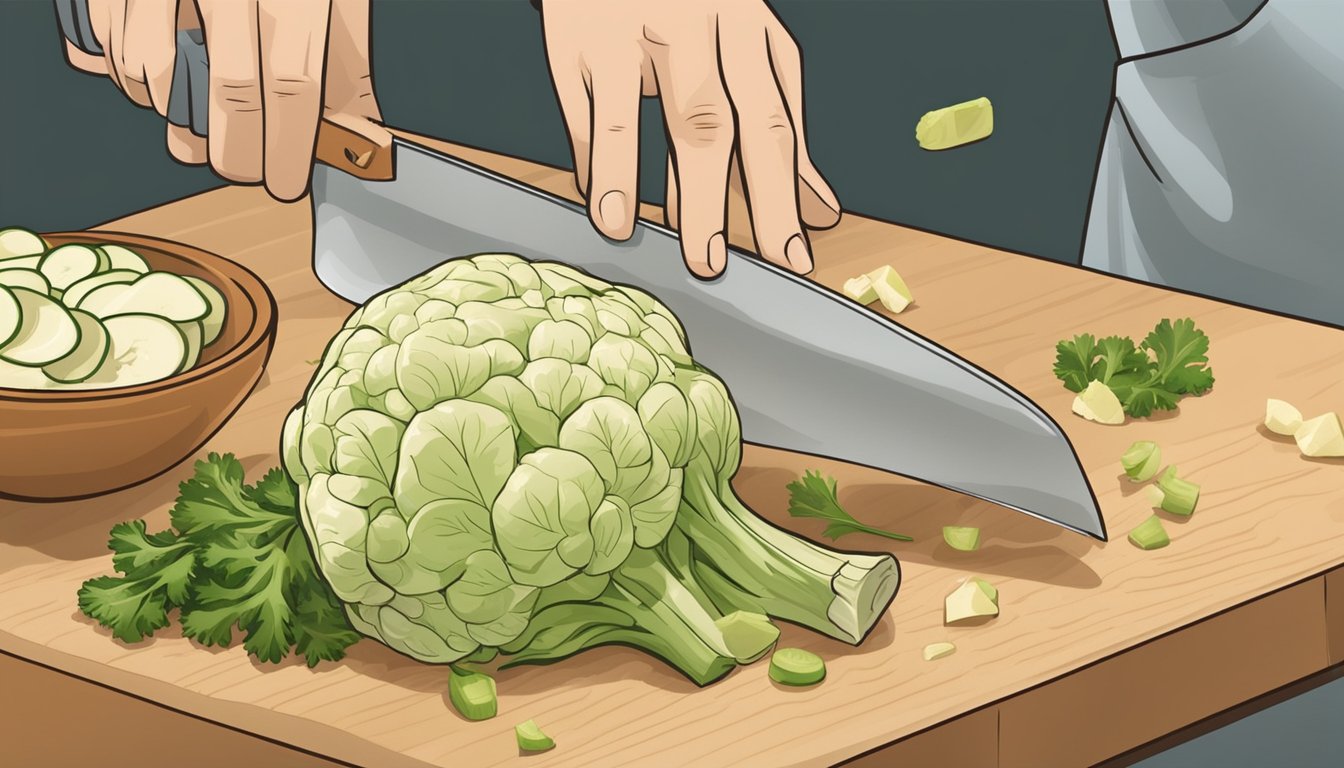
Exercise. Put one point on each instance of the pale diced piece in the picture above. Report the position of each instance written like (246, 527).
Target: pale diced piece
(891, 290)
(1098, 403)
(1282, 418)
(973, 599)
(860, 289)
(938, 650)
(956, 125)
(1321, 437)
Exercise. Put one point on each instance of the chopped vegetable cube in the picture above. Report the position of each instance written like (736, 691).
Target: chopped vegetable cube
(891, 289)
(749, 636)
(1282, 418)
(1149, 534)
(1321, 436)
(956, 125)
(531, 738)
(1178, 496)
(938, 650)
(860, 289)
(473, 694)
(1098, 403)
(962, 537)
(795, 666)
(1142, 460)
(973, 599)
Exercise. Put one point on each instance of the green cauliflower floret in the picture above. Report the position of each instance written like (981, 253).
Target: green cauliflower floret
(516, 457)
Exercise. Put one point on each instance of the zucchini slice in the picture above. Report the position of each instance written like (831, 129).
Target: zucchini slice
(16, 242)
(22, 262)
(24, 278)
(87, 356)
(76, 292)
(144, 348)
(121, 257)
(23, 377)
(68, 264)
(11, 316)
(46, 332)
(219, 309)
(157, 293)
(194, 332)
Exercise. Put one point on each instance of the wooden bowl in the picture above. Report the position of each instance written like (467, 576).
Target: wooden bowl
(57, 446)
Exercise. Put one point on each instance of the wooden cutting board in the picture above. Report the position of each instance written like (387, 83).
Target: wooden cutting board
(1099, 648)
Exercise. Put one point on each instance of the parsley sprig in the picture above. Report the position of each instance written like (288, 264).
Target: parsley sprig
(235, 556)
(814, 495)
(1172, 361)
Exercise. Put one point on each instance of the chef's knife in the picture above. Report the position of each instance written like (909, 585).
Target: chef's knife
(809, 370)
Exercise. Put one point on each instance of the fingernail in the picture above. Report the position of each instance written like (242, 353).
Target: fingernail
(795, 251)
(611, 211)
(717, 253)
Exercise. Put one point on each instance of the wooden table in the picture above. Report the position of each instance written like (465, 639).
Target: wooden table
(1100, 648)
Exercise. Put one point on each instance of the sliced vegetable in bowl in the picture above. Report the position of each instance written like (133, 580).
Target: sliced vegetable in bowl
(60, 313)
(16, 242)
(46, 330)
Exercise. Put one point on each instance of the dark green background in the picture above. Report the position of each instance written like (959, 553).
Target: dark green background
(75, 153)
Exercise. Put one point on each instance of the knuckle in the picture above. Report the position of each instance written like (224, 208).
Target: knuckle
(705, 125)
(284, 85)
(772, 123)
(237, 95)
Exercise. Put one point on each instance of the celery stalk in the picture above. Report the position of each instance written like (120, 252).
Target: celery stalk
(1179, 497)
(1149, 534)
(1142, 461)
(473, 694)
(962, 537)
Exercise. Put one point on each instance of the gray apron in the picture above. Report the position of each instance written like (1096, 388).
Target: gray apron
(1222, 168)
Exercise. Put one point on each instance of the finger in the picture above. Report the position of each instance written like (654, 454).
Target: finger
(765, 145)
(700, 132)
(107, 20)
(185, 146)
(670, 201)
(293, 35)
(236, 130)
(149, 48)
(818, 204)
(614, 165)
(570, 81)
(349, 82)
(84, 62)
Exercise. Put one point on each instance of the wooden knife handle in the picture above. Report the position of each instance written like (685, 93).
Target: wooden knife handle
(357, 146)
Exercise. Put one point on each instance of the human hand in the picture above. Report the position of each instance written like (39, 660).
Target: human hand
(730, 81)
(267, 90)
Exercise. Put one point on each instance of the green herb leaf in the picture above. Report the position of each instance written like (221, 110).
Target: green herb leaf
(1120, 361)
(246, 587)
(1074, 360)
(814, 495)
(1182, 352)
(1149, 377)
(157, 570)
(1142, 399)
(238, 558)
(215, 505)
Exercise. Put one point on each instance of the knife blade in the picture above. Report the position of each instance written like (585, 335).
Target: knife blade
(809, 370)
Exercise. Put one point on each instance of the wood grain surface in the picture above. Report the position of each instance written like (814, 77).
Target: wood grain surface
(1090, 634)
